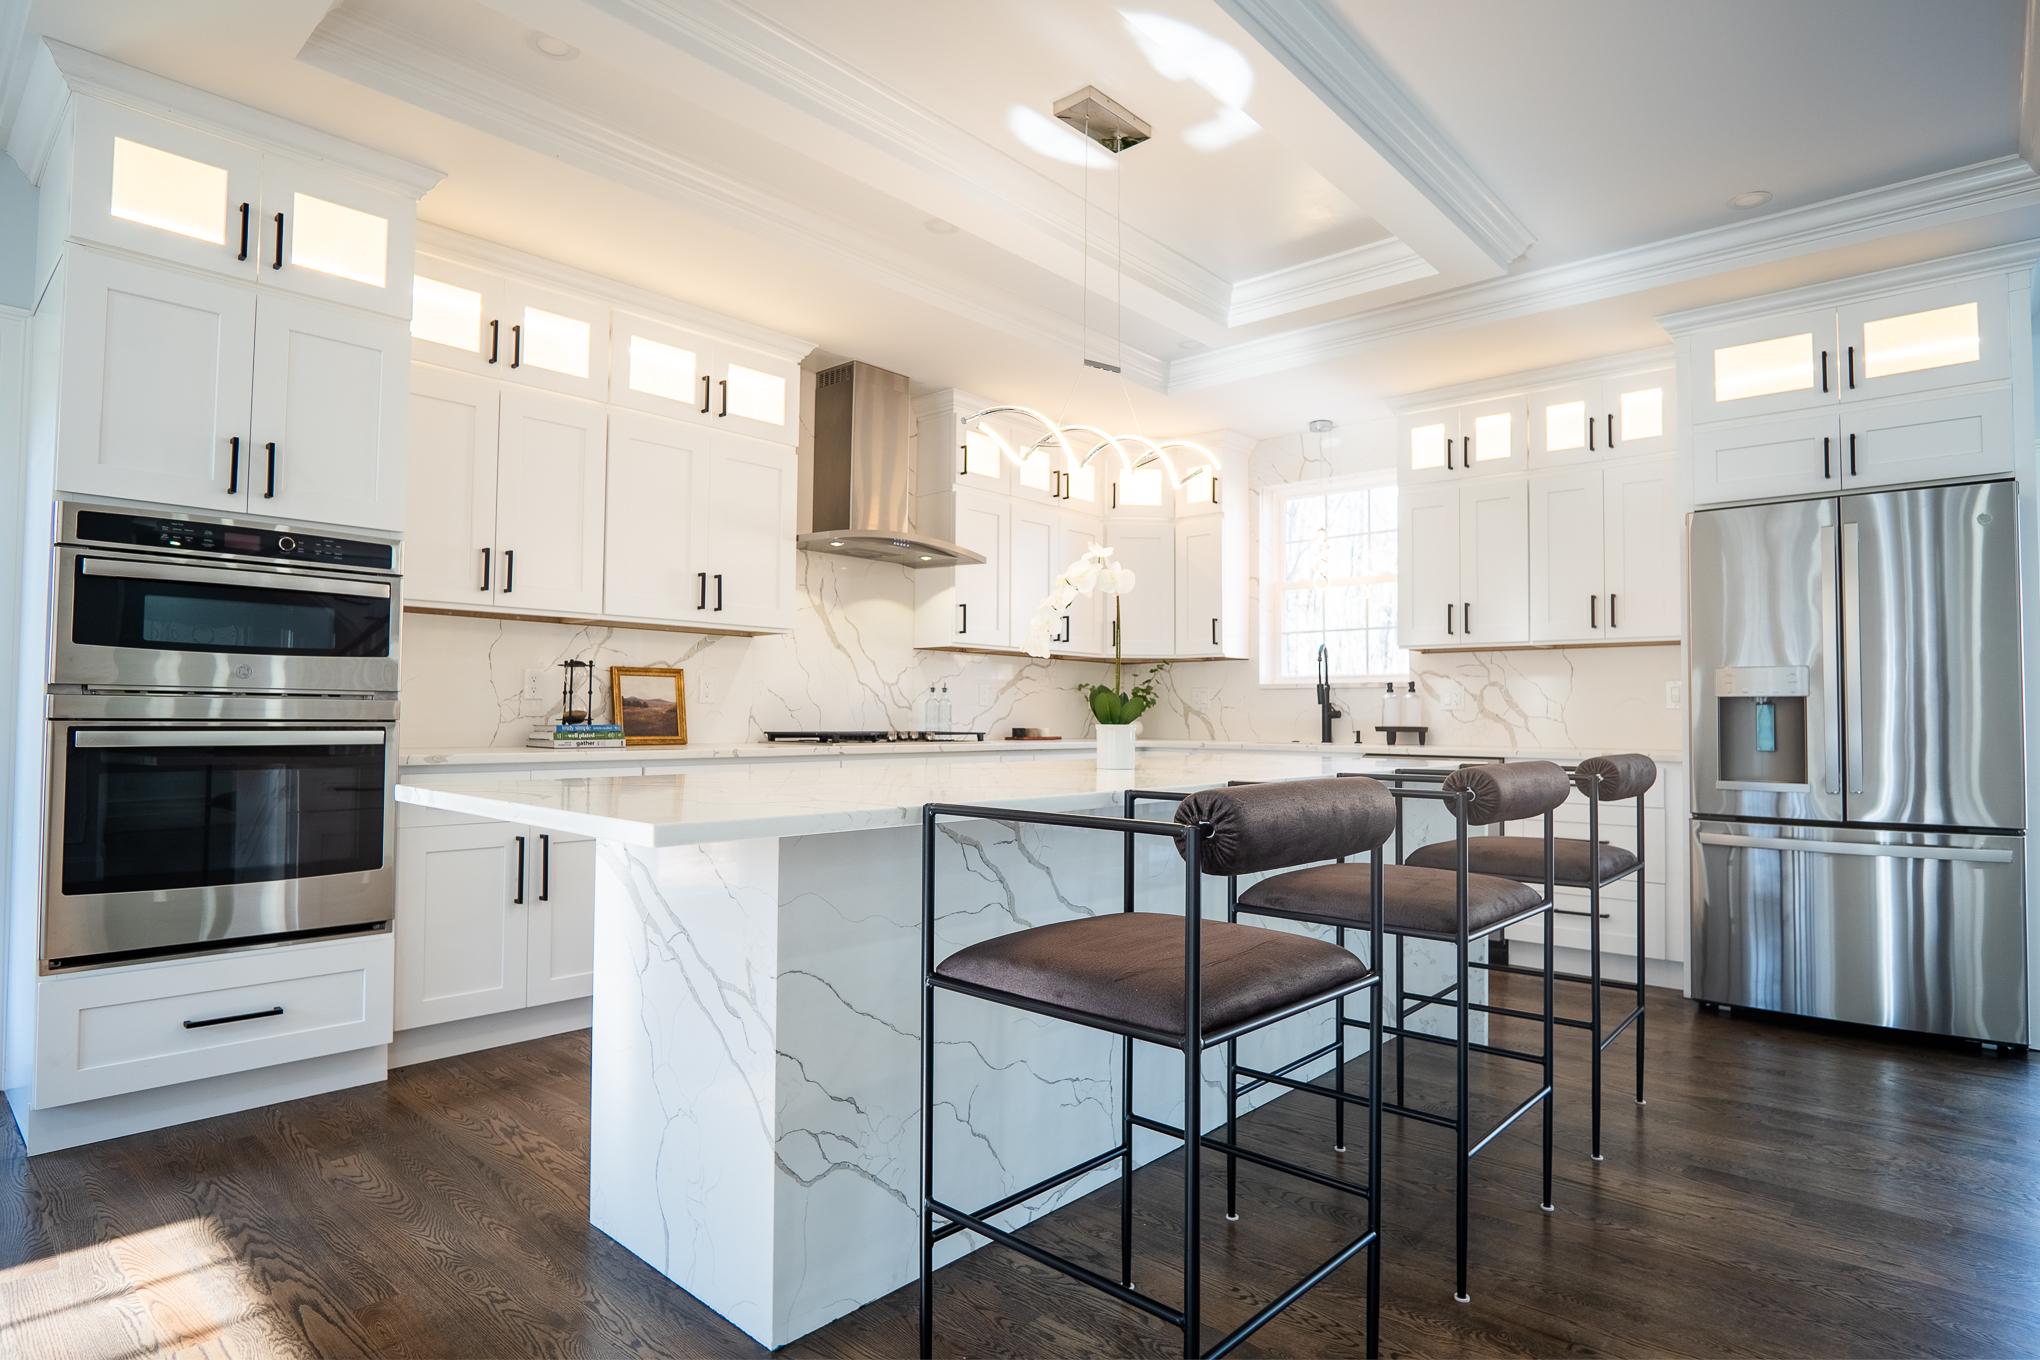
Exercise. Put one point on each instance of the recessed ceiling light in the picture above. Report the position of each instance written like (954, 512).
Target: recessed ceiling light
(1753, 198)
(559, 49)
(940, 227)
(927, 557)
(1322, 426)
(835, 542)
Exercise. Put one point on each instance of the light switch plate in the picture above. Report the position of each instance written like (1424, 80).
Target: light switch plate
(704, 690)
(1675, 693)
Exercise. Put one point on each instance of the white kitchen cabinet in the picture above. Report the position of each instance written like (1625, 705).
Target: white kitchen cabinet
(965, 606)
(324, 234)
(1567, 574)
(744, 504)
(1032, 566)
(327, 432)
(158, 369)
(757, 393)
(1427, 578)
(1141, 492)
(1927, 438)
(1481, 437)
(1083, 627)
(1644, 547)
(686, 373)
(1494, 548)
(450, 520)
(491, 917)
(457, 316)
(555, 340)
(1147, 617)
(1629, 415)
(1604, 554)
(1782, 362)
(1947, 335)
(1200, 493)
(1756, 459)
(550, 479)
(1426, 441)
(1200, 561)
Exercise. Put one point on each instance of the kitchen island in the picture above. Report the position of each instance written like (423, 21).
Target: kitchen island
(754, 1133)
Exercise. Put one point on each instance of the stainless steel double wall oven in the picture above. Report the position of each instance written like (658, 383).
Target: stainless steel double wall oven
(222, 711)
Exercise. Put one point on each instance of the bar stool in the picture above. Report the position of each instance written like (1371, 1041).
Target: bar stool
(1454, 905)
(1592, 864)
(1187, 984)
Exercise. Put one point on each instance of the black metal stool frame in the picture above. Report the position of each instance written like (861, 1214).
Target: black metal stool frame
(1459, 995)
(1592, 979)
(1195, 1041)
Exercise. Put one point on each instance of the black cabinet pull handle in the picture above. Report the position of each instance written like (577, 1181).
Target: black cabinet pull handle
(517, 344)
(233, 464)
(723, 388)
(210, 1021)
(1466, 617)
(1448, 621)
(545, 868)
(1448, 455)
(962, 618)
(702, 603)
(1823, 370)
(1852, 367)
(244, 233)
(1611, 609)
(1611, 429)
(1065, 629)
(277, 263)
(1826, 458)
(1593, 611)
(1852, 453)
(704, 394)
(518, 900)
(485, 571)
(718, 592)
(1214, 632)
(1115, 632)
(495, 338)
(269, 489)
(509, 571)
(1590, 434)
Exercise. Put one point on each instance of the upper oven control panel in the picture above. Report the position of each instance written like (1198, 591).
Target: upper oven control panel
(121, 529)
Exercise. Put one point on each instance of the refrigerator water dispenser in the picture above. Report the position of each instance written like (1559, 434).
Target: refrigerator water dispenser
(1762, 727)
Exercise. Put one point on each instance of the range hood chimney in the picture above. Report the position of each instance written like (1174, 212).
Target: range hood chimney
(863, 484)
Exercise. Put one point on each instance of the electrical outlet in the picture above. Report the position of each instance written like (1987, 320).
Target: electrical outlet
(540, 685)
(1452, 698)
(1675, 693)
(705, 690)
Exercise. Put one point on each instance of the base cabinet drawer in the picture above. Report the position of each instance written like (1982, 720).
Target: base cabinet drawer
(116, 1030)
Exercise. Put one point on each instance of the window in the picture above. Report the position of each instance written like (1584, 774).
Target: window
(1331, 561)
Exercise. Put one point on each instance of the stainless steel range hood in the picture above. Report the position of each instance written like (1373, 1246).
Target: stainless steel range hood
(863, 481)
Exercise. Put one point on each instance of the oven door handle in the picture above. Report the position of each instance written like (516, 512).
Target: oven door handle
(304, 584)
(184, 738)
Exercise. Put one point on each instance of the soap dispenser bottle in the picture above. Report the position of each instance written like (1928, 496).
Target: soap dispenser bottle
(1412, 708)
(1391, 705)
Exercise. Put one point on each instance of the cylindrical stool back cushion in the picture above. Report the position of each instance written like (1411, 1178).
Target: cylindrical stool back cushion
(1280, 825)
(1507, 793)
(1622, 777)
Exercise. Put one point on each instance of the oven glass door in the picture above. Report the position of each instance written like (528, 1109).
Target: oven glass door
(168, 624)
(171, 836)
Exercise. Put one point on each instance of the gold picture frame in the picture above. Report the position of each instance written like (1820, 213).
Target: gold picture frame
(647, 716)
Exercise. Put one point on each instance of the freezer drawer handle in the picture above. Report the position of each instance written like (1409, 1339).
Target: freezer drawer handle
(210, 1021)
(1862, 848)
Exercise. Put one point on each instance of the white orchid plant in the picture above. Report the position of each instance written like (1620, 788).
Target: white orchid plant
(1096, 573)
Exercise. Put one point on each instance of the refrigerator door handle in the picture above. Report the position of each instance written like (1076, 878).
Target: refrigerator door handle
(1852, 651)
(1831, 690)
(1970, 854)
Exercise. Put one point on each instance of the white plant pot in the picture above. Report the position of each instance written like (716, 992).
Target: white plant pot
(1115, 745)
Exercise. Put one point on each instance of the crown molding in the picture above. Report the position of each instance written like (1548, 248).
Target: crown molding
(392, 60)
(1329, 278)
(2014, 257)
(444, 243)
(88, 73)
(36, 123)
(17, 48)
(1992, 186)
(1314, 42)
(2029, 88)
(1530, 379)
(740, 41)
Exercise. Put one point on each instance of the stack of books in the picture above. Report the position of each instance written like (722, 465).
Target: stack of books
(575, 736)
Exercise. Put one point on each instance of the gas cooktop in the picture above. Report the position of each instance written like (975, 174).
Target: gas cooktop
(829, 735)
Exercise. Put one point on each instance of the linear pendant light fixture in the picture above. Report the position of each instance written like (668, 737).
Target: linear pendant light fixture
(1098, 118)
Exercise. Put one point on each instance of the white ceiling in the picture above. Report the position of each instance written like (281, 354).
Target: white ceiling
(1330, 212)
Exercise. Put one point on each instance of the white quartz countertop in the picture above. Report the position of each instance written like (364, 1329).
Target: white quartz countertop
(776, 798)
(652, 756)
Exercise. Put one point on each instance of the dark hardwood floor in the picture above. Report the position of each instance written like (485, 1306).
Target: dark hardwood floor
(1789, 1190)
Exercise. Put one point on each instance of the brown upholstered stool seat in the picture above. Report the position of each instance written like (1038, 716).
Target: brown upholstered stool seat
(1522, 858)
(1415, 901)
(1126, 971)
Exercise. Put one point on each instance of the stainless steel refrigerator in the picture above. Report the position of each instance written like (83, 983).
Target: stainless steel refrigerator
(1858, 759)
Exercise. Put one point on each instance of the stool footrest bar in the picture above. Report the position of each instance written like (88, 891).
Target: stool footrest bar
(1040, 1187)
(1054, 1261)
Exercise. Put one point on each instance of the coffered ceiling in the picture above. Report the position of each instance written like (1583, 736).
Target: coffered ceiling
(1342, 199)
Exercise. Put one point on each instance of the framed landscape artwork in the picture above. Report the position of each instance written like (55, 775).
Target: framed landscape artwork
(650, 703)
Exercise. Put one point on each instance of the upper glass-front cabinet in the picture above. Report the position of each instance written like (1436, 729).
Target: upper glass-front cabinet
(1628, 415)
(165, 190)
(1427, 441)
(659, 367)
(1775, 363)
(1931, 337)
(1484, 437)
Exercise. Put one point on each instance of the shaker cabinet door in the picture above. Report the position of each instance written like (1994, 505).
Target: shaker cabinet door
(450, 508)
(329, 415)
